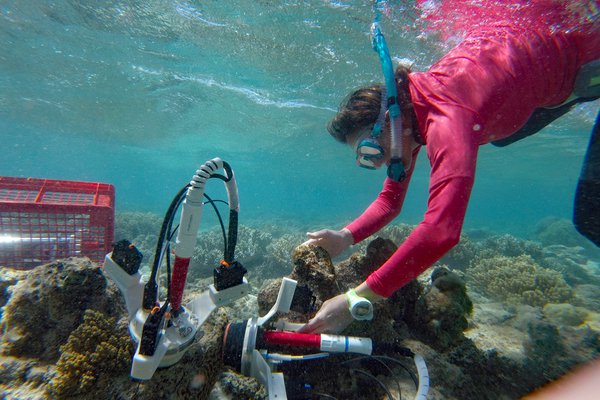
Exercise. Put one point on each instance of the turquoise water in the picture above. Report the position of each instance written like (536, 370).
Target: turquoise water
(140, 93)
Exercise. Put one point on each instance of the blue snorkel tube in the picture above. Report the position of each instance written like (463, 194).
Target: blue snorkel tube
(396, 169)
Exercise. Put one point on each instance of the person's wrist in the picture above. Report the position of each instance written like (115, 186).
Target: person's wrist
(347, 237)
(363, 290)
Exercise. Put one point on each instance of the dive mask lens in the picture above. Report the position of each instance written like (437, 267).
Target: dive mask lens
(367, 152)
(364, 162)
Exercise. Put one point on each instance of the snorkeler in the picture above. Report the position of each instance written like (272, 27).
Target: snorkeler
(501, 80)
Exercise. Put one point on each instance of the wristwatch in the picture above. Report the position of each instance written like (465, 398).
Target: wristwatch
(360, 308)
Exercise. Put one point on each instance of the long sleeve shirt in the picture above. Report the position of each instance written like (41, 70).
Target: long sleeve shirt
(484, 89)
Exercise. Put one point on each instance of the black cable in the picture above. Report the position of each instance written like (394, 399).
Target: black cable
(166, 233)
(233, 231)
(396, 361)
(171, 214)
(167, 222)
(229, 255)
(150, 295)
(399, 363)
(221, 177)
(212, 203)
(368, 375)
(324, 396)
(216, 201)
(380, 362)
(168, 246)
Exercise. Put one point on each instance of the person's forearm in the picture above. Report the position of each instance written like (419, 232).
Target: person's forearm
(429, 241)
(382, 211)
(385, 208)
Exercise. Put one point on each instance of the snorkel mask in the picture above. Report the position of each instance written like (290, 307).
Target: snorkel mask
(369, 149)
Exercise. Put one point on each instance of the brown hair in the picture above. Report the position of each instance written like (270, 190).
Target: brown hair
(360, 108)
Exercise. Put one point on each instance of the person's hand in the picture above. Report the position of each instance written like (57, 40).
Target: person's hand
(333, 317)
(333, 241)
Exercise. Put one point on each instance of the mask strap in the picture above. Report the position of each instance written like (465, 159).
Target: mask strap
(381, 118)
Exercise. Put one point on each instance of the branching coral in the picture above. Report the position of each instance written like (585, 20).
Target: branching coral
(94, 348)
(129, 225)
(397, 233)
(262, 253)
(509, 246)
(460, 256)
(279, 255)
(518, 280)
(250, 250)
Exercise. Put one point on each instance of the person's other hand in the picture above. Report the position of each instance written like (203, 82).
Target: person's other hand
(333, 241)
(333, 317)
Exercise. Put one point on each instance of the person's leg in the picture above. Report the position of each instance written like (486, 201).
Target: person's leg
(586, 214)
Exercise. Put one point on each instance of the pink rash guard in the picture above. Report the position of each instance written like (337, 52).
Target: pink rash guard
(484, 89)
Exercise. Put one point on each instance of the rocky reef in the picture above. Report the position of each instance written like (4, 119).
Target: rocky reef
(428, 316)
(65, 336)
(497, 317)
(49, 302)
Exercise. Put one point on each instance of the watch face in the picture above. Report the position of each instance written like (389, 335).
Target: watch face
(362, 310)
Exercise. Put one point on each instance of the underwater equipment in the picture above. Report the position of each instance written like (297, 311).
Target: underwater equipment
(164, 331)
(360, 308)
(249, 348)
(396, 169)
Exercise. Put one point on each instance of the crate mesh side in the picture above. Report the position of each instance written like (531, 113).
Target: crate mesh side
(18, 195)
(68, 198)
(28, 239)
(42, 220)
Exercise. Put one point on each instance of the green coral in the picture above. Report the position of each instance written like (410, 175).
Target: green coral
(518, 280)
(93, 349)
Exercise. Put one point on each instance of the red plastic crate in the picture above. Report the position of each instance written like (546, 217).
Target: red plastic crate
(42, 220)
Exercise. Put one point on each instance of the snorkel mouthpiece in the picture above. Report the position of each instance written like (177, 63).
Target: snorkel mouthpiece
(396, 170)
